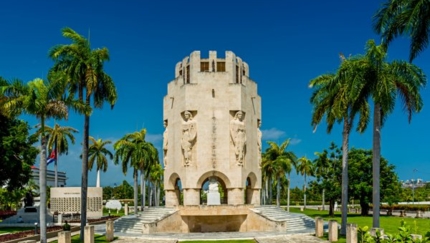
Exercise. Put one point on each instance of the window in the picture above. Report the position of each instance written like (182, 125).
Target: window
(204, 66)
(220, 66)
(237, 74)
(188, 74)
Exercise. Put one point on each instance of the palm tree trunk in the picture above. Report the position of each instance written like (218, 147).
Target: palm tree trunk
(267, 191)
(98, 179)
(345, 148)
(270, 192)
(55, 164)
(304, 194)
(376, 162)
(323, 199)
(42, 186)
(84, 183)
(142, 190)
(278, 192)
(135, 175)
(288, 193)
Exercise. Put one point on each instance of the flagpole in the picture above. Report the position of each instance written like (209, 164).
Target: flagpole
(55, 165)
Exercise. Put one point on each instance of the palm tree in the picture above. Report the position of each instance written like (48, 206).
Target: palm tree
(278, 162)
(41, 99)
(321, 163)
(133, 151)
(156, 178)
(410, 17)
(81, 71)
(97, 153)
(336, 99)
(58, 137)
(305, 167)
(383, 82)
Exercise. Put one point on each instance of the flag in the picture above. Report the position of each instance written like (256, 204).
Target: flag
(51, 158)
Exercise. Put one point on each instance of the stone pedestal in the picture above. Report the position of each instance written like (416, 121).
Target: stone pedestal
(351, 233)
(126, 209)
(319, 229)
(60, 219)
(332, 231)
(109, 230)
(64, 237)
(214, 198)
(89, 234)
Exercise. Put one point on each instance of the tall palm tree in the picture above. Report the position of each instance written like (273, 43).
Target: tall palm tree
(384, 82)
(58, 137)
(156, 178)
(81, 70)
(133, 151)
(409, 17)
(97, 153)
(305, 167)
(338, 101)
(43, 100)
(279, 162)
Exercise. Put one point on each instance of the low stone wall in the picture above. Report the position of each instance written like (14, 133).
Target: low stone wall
(214, 219)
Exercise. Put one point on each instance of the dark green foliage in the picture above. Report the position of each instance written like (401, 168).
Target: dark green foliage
(17, 153)
(360, 179)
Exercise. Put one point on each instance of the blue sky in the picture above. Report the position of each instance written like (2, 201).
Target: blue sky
(285, 43)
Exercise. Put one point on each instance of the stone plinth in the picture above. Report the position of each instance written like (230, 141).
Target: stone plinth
(351, 233)
(64, 237)
(89, 234)
(109, 231)
(333, 231)
(319, 227)
(126, 209)
(214, 198)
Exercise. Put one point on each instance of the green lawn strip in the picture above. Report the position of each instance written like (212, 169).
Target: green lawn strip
(13, 229)
(223, 241)
(390, 224)
(97, 239)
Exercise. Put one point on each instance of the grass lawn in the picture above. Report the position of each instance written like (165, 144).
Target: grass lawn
(390, 224)
(97, 239)
(13, 229)
(223, 241)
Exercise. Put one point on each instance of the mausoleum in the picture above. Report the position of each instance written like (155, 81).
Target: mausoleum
(212, 114)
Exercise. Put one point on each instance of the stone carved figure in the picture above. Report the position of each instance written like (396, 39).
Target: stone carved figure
(238, 136)
(189, 135)
(213, 185)
(165, 142)
(259, 147)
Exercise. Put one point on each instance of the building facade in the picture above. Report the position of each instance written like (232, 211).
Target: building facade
(212, 114)
(50, 177)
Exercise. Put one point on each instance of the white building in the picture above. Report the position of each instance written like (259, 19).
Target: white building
(50, 177)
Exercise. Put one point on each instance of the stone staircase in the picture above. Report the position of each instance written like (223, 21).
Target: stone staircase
(133, 224)
(296, 222)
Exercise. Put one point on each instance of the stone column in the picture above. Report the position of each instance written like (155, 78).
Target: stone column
(332, 230)
(191, 196)
(235, 196)
(89, 234)
(126, 209)
(171, 198)
(351, 233)
(255, 197)
(109, 230)
(64, 237)
(319, 227)
(60, 219)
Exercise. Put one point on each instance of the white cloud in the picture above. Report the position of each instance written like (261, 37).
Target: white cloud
(272, 134)
(295, 141)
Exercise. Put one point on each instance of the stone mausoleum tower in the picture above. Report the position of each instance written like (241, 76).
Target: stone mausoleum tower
(212, 114)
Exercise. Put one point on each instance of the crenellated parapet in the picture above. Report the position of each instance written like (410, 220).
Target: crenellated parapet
(186, 70)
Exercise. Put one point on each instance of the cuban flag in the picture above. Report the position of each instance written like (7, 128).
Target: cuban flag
(51, 158)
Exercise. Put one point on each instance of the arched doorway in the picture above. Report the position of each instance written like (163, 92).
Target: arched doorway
(251, 193)
(222, 190)
(178, 192)
(173, 191)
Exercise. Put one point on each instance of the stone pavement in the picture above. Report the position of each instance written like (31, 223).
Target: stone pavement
(261, 237)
